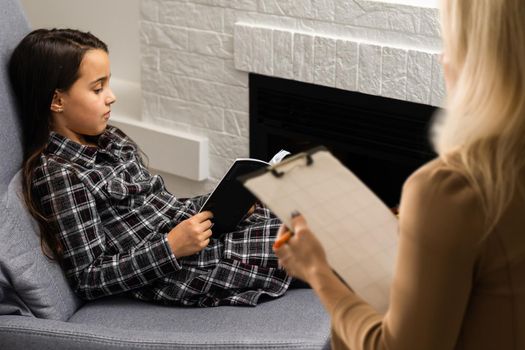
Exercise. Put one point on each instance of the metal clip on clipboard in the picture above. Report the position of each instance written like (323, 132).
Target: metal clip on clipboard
(277, 169)
(307, 155)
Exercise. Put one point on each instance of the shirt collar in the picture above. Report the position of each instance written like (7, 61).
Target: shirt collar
(108, 142)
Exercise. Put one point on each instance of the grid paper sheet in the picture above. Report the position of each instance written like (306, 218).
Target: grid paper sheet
(357, 231)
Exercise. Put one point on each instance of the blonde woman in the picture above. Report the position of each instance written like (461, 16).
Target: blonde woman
(460, 276)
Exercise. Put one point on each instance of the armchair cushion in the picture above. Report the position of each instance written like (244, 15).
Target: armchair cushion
(30, 283)
(294, 321)
(13, 23)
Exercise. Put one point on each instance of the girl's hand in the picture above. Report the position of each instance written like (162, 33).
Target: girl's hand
(191, 235)
(302, 256)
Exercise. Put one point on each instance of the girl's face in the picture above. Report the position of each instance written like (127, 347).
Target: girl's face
(84, 109)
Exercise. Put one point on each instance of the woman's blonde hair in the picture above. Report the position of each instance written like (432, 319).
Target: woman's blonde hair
(484, 121)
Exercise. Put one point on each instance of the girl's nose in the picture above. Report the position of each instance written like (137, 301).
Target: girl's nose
(111, 98)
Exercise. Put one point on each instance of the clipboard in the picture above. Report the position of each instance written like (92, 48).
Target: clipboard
(357, 230)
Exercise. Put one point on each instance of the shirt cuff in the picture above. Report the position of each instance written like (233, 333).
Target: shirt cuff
(353, 319)
(346, 308)
(167, 261)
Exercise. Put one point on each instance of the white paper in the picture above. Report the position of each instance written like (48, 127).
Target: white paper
(278, 157)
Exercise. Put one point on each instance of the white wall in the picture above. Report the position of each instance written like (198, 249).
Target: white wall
(116, 22)
(420, 3)
(191, 83)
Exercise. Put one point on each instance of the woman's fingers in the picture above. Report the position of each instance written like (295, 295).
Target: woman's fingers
(282, 253)
(287, 260)
(282, 230)
(283, 235)
(298, 223)
(302, 251)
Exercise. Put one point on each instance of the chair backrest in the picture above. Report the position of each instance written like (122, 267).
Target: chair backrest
(13, 27)
(30, 284)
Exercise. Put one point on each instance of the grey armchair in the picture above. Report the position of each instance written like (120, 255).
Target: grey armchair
(38, 310)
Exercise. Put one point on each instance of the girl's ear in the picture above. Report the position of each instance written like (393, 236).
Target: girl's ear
(57, 104)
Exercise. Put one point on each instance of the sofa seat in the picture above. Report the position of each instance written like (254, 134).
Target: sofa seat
(123, 323)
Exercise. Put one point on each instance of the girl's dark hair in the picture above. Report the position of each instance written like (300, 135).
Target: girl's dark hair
(43, 62)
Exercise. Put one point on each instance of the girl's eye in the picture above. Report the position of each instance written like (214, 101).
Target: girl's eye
(98, 91)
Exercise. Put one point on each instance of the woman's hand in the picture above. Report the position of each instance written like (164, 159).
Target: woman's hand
(302, 256)
(191, 235)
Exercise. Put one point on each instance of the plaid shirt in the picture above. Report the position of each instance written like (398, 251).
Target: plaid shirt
(112, 217)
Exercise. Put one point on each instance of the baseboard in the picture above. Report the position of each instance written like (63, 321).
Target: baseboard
(170, 151)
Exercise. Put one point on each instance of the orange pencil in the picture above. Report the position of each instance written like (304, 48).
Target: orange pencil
(282, 240)
(285, 237)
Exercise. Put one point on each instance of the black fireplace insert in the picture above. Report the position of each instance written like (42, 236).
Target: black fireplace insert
(381, 140)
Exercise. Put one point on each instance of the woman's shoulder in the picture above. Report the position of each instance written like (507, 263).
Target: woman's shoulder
(439, 195)
(440, 177)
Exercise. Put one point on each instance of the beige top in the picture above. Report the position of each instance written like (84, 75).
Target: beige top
(451, 289)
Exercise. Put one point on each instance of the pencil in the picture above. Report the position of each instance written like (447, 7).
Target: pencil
(282, 240)
(285, 237)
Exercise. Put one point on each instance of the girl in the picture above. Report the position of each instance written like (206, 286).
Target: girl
(460, 275)
(112, 225)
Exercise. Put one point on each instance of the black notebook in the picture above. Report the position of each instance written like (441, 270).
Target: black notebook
(230, 201)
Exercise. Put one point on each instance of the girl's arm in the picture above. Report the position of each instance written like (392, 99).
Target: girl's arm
(440, 229)
(90, 268)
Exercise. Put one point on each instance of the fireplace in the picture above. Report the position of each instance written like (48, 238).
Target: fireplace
(381, 140)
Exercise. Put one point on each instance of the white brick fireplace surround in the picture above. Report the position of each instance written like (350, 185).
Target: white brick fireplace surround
(196, 55)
